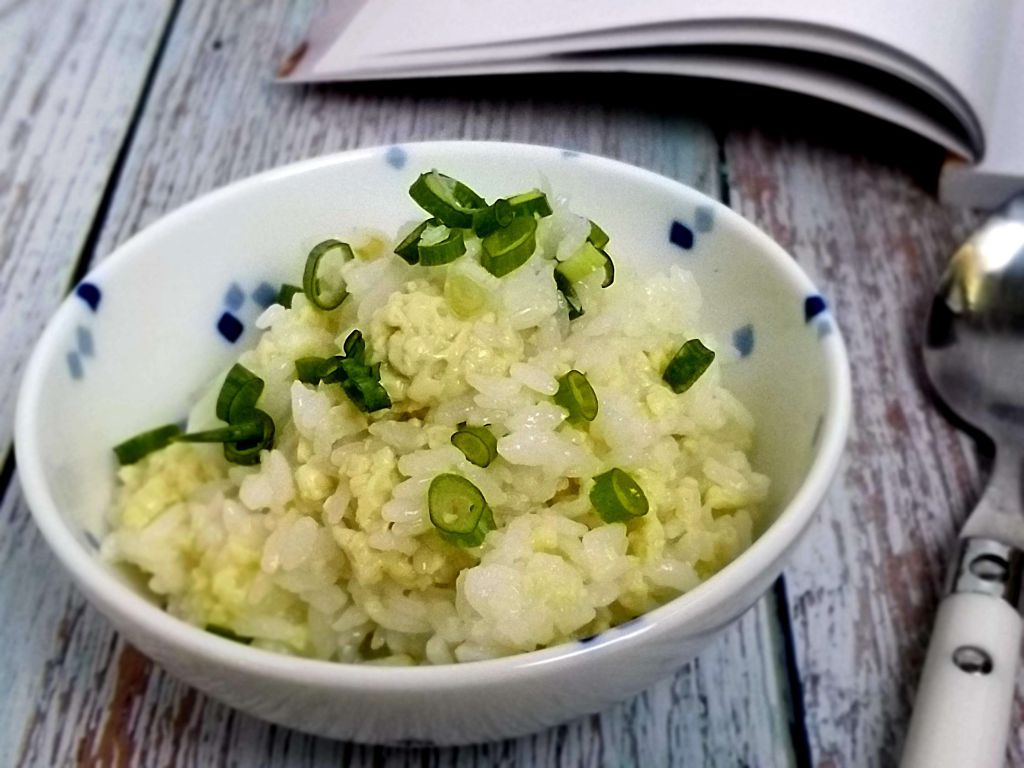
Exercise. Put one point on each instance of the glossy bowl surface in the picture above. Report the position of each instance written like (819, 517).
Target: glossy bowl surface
(143, 333)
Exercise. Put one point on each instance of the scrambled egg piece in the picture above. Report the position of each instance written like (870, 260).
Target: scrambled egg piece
(430, 350)
(161, 480)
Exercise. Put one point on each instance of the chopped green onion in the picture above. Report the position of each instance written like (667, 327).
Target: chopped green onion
(617, 497)
(492, 218)
(237, 379)
(137, 448)
(447, 199)
(361, 382)
(455, 504)
(354, 346)
(459, 510)
(609, 270)
(245, 401)
(577, 396)
(687, 365)
(509, 248)
(408, 248)
(227, 634)
(532, 203)
(478, 444)
(443, 251)
(362, 385)
(476, 537)
(586, 260)
(464, 295)
(322, 280)
(232, 433)
(248, 431)
(246, 451)
(243, 439)
(286, 294)
(597, 236)
(569, 294)
(313, 370)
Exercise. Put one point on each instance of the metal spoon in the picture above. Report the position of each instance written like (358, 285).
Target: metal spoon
(974, 355)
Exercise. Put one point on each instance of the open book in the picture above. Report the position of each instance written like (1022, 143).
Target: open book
(952, 72)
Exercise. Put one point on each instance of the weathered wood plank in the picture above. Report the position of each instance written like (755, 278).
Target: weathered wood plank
(70, 75)
(866, 583)
(214, 116)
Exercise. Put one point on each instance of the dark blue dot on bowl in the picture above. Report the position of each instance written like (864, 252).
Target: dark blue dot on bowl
(681, 235)
(230, 327)
(74, 365)
(813, 306)
(83, 340)
(92, 540)
(265, 294)
(234, 297)
(90, 294)
(396, 157)
(704, 218)
(589, 639)
(743, 339)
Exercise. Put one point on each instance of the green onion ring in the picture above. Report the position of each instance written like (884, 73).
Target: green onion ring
(597, 236)
(459, 510)
(408, 249)
(617, 497)
(532, 203)
(322, 281)
(509, 248)
(687, 365)
(577, 396)
(478, 444)
(492, 218)
(572, 299)
(442, 252)
(450, 201)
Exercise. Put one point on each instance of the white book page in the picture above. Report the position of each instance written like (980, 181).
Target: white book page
(618, 43)
(952, 39)
(767, 72)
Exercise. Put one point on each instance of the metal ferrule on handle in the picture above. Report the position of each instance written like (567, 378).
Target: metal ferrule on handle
(962, 709)
(988, 567)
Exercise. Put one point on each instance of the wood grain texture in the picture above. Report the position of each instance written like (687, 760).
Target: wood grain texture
(70, 76)
(214, 116)
(865, 585)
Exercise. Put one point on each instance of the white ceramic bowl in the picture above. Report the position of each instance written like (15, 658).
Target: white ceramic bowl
(140, 336)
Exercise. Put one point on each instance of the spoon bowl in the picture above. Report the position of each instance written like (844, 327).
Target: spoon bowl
(974, 355)
(974, 348)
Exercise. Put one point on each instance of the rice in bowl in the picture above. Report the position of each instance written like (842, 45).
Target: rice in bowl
(326, 548)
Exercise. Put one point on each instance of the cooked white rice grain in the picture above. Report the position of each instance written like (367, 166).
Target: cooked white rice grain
(326, 548)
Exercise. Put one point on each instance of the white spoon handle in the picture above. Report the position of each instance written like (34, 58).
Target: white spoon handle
(962, 709)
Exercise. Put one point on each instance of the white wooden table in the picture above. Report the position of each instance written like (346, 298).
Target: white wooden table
(114, 112)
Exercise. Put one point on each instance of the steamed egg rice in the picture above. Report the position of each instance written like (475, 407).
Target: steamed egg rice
(323, 544)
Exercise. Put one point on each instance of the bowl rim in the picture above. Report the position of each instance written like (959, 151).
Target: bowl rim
(116, 597)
